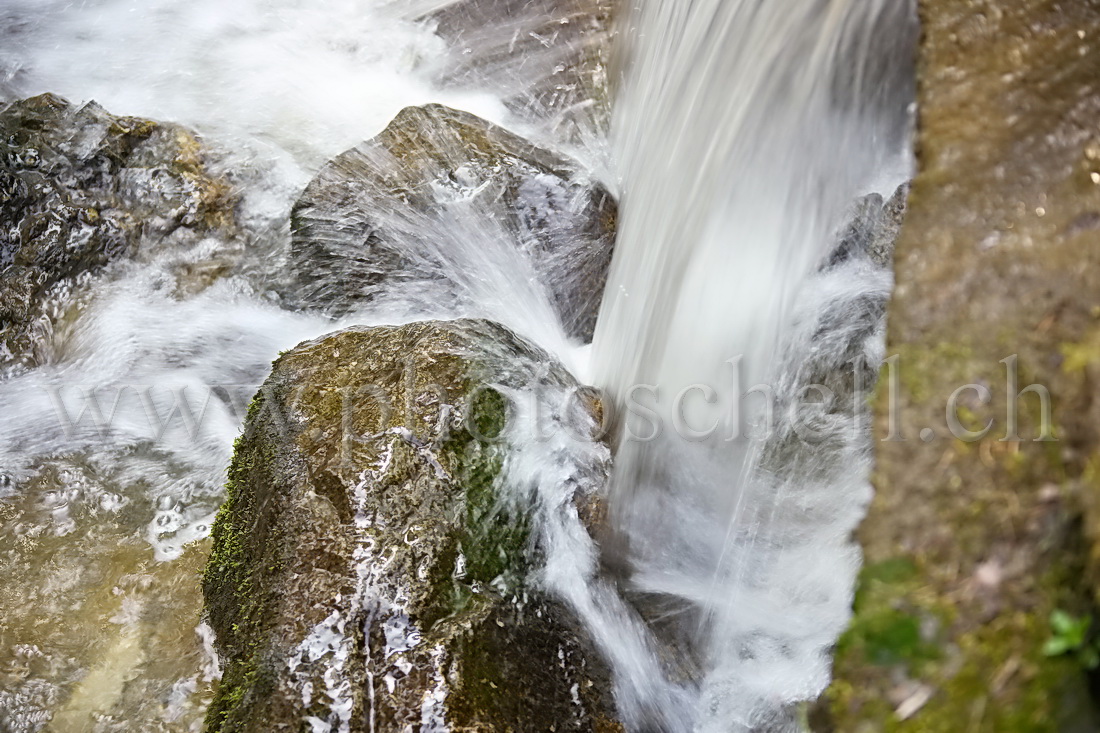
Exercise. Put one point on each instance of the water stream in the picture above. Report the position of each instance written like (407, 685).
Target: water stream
(741, 133)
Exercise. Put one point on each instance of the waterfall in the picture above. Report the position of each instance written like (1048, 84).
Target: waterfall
(742, 131)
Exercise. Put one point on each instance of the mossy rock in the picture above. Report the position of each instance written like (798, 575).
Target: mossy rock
(80, 188)
(971, 545)
(442, 202)
(366, 574)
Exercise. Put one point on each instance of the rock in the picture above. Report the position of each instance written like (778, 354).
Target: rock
(442, 200)
(872, 230)
(974, 541)
(366, 574)
(885, 236)
(843, 328)
(80, 188)
(548, 57)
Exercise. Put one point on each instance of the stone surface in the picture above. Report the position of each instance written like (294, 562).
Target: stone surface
(550, 58)
(872, 230)
(80, 188)
(971, 544)
(366, 573)
(442, 201)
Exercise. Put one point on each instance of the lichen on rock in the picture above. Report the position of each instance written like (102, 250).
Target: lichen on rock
(973, 542)
(444, 202)
(872, 229)
(366, 572)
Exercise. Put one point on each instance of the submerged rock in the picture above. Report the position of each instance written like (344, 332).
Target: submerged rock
(977, 605)
(80, 188)
(367, 575)
(446, 204)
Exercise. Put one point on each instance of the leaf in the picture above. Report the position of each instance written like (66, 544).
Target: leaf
(1056, 646)
(1061, 622)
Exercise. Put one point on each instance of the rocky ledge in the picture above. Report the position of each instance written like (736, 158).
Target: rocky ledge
(977, 605)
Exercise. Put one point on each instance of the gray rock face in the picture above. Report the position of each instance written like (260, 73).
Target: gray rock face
(366, 574)
(549, 57)
(872, 230)
(449, 204)
(80, 188)
(844, 332)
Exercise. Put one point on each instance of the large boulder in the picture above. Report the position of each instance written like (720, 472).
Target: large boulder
(447, 205)
(80, 188)
(368, 573)
(979, 584)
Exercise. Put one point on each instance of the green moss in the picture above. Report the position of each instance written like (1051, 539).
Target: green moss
(992, 677)
(887, 629)
(229, 581)
(917, 364)
(891, 637)
(494, 539)
(1081, 354)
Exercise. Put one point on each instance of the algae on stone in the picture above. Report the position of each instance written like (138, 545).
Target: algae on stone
(970, 545)
(365, 574)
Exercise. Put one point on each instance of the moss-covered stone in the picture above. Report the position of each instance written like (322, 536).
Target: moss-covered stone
(970, 545)
(366, 573)
(445, 201)
(80, 188)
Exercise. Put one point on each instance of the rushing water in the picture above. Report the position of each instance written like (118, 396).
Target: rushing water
(104, 513)
(741, 132)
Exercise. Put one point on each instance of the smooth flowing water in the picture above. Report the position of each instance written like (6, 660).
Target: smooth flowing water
(741, 132)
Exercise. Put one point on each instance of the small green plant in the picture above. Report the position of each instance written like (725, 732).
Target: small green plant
(1070, 635)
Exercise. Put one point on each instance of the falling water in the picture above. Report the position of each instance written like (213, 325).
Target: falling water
(741, 132)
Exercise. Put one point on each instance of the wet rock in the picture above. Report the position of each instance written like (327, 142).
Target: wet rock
(872, 230)
(366, 572)
(885, 236)
(80, 188)
(822, 393)
(976, 537)
(549, 58)
(446, 203)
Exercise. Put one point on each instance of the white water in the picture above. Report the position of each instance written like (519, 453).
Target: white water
(102, 510)
(735, 167)
(742, 132)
